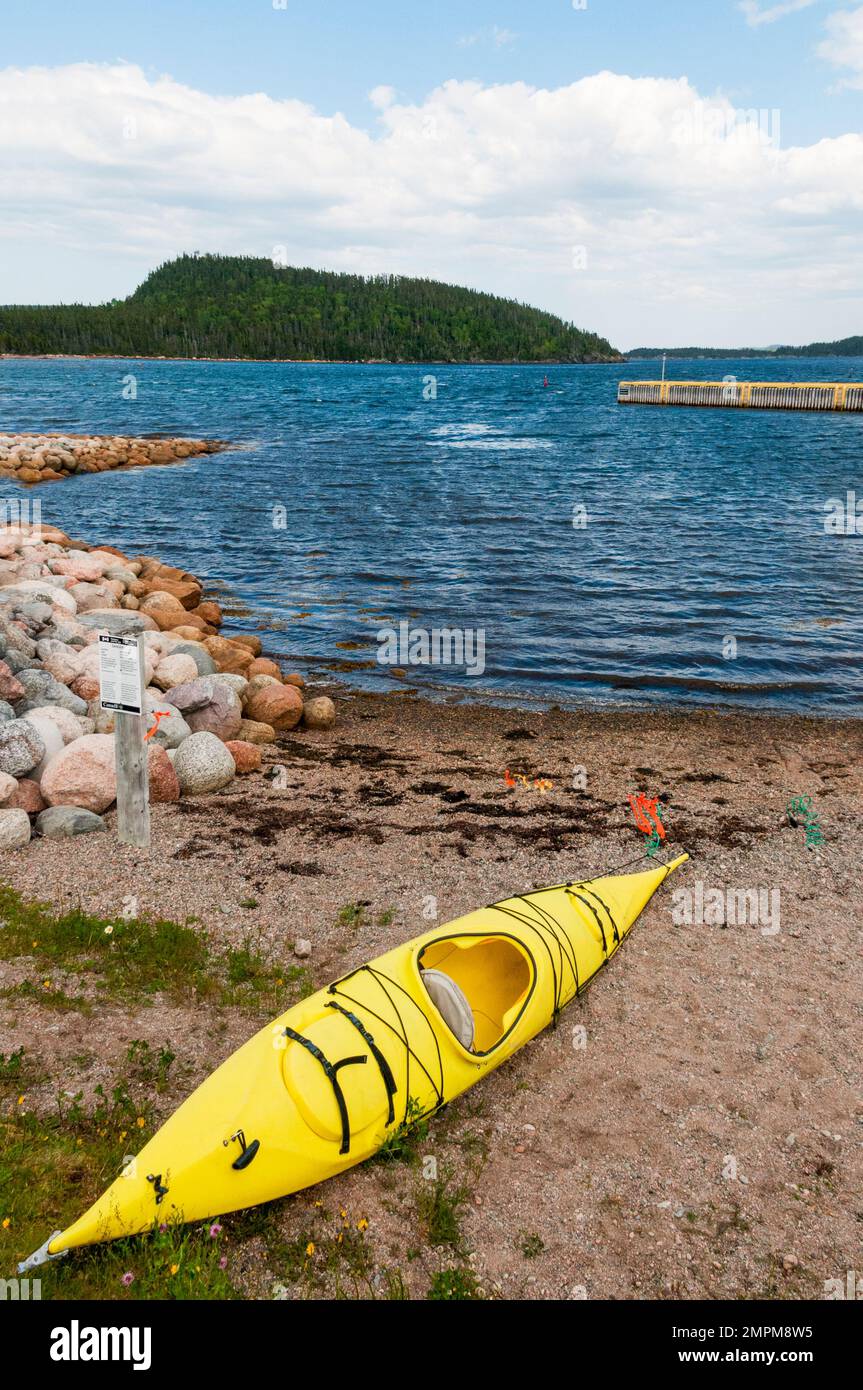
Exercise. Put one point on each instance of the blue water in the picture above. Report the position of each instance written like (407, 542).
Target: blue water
(457, 512)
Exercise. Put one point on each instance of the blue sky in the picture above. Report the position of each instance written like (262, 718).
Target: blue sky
(330, 53)
(474, 143)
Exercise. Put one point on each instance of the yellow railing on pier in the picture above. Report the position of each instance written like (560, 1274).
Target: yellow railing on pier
(760, 395)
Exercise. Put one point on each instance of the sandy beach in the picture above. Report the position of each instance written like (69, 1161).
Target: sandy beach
(692, 1128)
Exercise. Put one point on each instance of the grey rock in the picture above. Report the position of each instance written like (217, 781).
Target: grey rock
(202, 764)
(202, 659)
(21, 747)
(42, 689)
(14, 829)
(120, 623)
(6, 711)
(59, 822)
(17, 661)
(192, 695)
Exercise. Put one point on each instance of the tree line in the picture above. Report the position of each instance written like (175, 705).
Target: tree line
(242, 306)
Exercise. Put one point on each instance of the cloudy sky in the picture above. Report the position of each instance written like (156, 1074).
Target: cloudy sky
(676, 173)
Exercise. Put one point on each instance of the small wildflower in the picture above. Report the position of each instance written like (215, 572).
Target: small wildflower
(343, 1214)
(362, 1224)
(140, 1122)
(35, 943)
(319, 1203)
(20, 1100)
(109, 931)
(7, 1222)
(46, 984)
(123, 1134)
(162, 1229)
(310, 1248)
(340, 1237)
(223, 1262)
(128, 1278)
(174, 1268)
(215, 1230)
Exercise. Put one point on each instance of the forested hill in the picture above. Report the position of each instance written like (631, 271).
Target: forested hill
(845, 347)
(240, 306)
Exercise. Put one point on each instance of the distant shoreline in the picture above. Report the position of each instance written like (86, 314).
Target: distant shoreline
(306, 361)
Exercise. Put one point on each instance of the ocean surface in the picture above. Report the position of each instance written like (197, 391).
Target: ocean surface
(608, 555)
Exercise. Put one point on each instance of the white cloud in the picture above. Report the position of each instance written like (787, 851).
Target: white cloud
(382, 97)
(693, 231)
(756, 14)
(844, 44)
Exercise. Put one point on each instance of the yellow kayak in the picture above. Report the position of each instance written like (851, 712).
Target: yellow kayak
(322, 1087)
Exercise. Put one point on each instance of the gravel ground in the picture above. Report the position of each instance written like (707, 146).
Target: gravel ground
(704, 1142)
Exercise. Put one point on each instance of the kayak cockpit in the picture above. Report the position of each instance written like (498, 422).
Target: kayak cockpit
(479, 985)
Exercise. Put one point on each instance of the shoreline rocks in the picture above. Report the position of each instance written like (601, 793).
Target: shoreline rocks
(49, 458)
(213, 701)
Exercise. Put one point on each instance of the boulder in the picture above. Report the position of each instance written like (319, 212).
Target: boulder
(8, 785)
(248, 640)
(55, 594)
(27, 796)
(193, 695)
(155, 603)
(247, 756)
(58, 822)
(59, 660)
(118, 622)
(21, 747)
(164, 786)
(262, 667)
(199, 654)
(6, 712)
(177, 669)
(10, 687)
(238, 684)
(14, 829)
(82, 775)
(52, 737)
(229, 656)
(280, 706)
(203, 764)
(41, 688)
(319, 713)
(252, 731)
(294, 678)
(222, 715)
(71, 726)
(90, 596)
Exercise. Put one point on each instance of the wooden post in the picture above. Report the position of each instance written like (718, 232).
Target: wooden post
(133, 781)
(121, 680)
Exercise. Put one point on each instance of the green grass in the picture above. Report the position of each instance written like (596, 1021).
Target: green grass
(403, 1144)
(531, 1245)
(452, 1284)
(439, 1206)
(130, 959)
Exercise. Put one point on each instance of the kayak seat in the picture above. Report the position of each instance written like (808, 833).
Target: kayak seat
(451, 1004)
(494, 979)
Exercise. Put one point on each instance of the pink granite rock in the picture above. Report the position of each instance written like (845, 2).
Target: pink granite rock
(82, 774)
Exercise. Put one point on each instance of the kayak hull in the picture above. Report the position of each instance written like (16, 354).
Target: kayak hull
(322, 1087)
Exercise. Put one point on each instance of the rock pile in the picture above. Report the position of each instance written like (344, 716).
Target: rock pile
(218, 700)
(48, 458)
